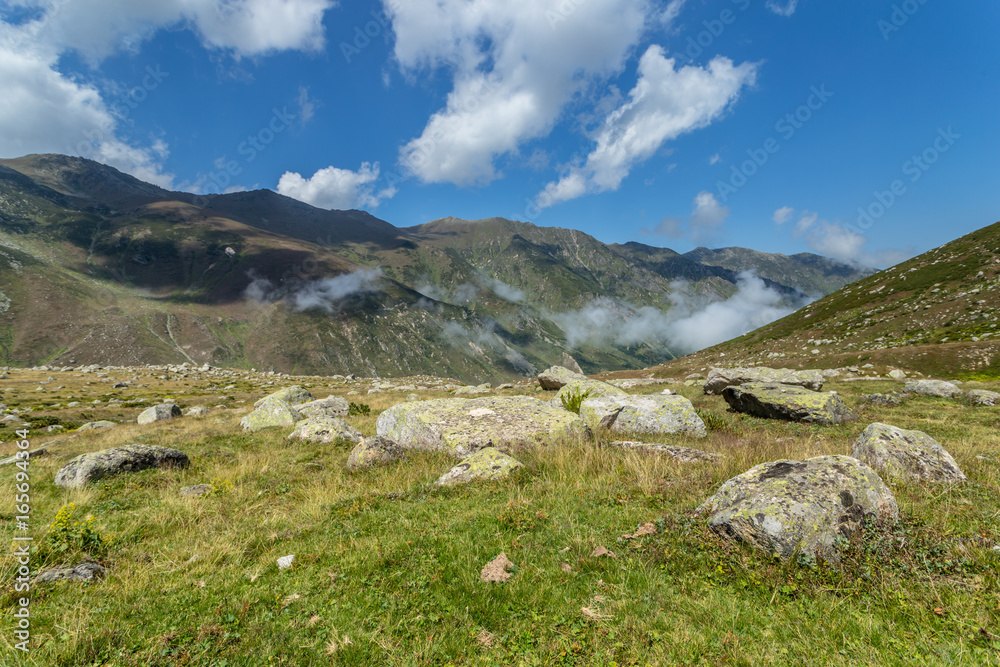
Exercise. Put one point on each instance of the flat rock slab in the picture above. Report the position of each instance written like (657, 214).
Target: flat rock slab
(720, 378)
(88, 468)
(270, 412)
(791, 507)
(557, 377)
(331, 406)
(325, 430)
(791, 403)
(933, 388)
(655, 413)
(486, 464)
(685, 454)
(983, 397)
(80, 572)
(293, 395)
(159, 413)
(374, 451)
(461, 426)
(906, 455)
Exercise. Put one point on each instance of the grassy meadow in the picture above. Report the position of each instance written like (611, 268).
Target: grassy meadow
(386, 568)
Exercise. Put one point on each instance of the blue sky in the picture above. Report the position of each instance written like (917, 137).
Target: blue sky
(769, 124)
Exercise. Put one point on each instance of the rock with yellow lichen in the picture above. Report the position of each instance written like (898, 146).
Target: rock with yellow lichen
(488, 463)
(793, 508)
(654, 413)
(780, 401)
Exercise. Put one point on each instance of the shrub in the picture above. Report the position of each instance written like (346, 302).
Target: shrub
(358, 409)
(574, 398)
(65, 534)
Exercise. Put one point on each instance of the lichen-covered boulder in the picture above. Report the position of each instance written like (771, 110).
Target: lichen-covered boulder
(782, 401)
(983, 397)
(374, 451)
(592, 388)
(556, 377)
(683, 454)
(906, 455)
(720, 378)
(88, 468)
(933, 388)
(95, 426)
(331, 406)
(800, 507)
(85, 571)
(654, 413)
(293, 395)
(472, 389)
(197, 411)
(270, 412)
(487, 463)
(159, 413)
(326, 430)
(461, 426)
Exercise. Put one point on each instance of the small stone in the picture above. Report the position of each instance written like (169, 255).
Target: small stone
(487, 463)
(602, 552)
(285, 562)
(197, 490)
(497, 569)
(159, 413)
(374, 451)
(81, 572)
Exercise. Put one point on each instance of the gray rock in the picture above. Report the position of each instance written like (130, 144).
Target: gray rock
(887, 400)
(654, 413)
(983, 397)
(88, 468)
(197, 490)
(159, 413)
(556, 377)
(933, 388)
(791, 403)
(720, 378)
(80, 572)
(487, 463)
(790, 507)
(897, 374)
(905, 455)
(684, 454)
(325, 430)
(270, 412)
(592, 388)
(374, 451)
(331, 406)
(293, 395)
(477, 389)
(197, 411)
(461, 426)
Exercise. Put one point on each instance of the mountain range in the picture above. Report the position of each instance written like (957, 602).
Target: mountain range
(99, 267)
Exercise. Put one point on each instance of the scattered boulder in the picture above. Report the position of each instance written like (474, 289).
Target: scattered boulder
(270, 412)
(983, 397)
(933, 388)
(905, 455)
(800, 507)
(293, 395)
(720, 378)
(473, 389)
(684, 454)
(592, 388)
(331, 406)
(374, 451)
(197, 411)
(885, 400)
(488, 463)
(326, 430)
(497, 569)
(897, 374)
(653, 413)
(557, 377)
(80, 572)
(88, 468)
(159, 413)
(461, 426)
(94, 426)
(792, 403)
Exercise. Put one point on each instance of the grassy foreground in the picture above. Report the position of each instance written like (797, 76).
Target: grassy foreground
(386, 568)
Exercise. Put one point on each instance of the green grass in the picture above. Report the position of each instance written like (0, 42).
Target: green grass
(386, 567)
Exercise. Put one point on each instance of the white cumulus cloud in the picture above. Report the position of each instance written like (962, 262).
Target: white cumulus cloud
(786, 9)
(336, 188)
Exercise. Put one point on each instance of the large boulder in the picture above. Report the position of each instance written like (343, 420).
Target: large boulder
(905, 455)
(374, 451)
(331, 406)
(487, 463)
(461, 426)
(800, 507)
(983, 397)
(88, 468)
(933, 388)
(326, 430)
(271, 411)
(556, 377)
(654, 413)
(720, 378)
(293, 395)
(781, 401)
(592, 389)
(159, 413)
